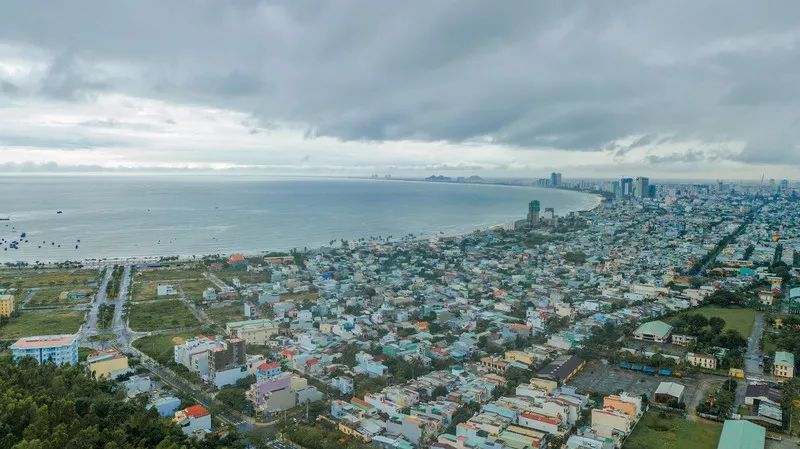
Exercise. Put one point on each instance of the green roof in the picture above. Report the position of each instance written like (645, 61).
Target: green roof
(784, 358)
(741, 435)
(657, 328)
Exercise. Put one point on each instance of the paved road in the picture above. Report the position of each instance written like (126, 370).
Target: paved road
(28, 296)
(217, 281)
(753, 357)
(90, 328)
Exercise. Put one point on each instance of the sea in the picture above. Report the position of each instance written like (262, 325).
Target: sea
(91, 217)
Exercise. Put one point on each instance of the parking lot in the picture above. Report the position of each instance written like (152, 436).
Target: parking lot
(607, 379)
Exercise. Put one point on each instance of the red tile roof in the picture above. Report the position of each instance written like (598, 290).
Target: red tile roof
(196, 411)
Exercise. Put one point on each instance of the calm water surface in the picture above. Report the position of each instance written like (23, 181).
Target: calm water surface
(124, 216)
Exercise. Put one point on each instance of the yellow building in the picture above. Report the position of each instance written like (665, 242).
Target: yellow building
(608, 422)
(520, 356)
(107, 364)
(545, 384)
(6, 305)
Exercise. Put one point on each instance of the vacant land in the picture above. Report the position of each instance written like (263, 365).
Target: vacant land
(162, 275)
(47, 278)
(42, 323)
(157, 315)
(300, 297)
(225, 313)
(148, 291)
(161, 347)
(658, 432)
(194, 289)
(735, 318)
(49, 297)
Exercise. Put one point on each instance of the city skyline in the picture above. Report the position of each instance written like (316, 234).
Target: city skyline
(513, 91)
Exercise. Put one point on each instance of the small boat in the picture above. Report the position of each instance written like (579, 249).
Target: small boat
(5, 218)
(60, 212)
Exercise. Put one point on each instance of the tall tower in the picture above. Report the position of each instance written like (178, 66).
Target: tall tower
(555, 179)
(642, 187)
(627, 186)
(533, 212)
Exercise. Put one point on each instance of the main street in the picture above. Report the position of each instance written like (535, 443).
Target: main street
(90, 327)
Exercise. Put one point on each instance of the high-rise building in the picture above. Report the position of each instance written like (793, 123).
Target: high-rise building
(616, 190)
(59, 349)
(533, 212)
(642, 187)
(627, 186)
(555, 179)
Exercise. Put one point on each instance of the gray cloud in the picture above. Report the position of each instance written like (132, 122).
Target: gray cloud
(577, 75)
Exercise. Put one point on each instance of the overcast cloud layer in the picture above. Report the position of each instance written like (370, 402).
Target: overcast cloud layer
(668, 89)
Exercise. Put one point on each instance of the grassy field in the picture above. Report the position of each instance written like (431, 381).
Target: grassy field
(655, 432)
(46, 278)
(160, 347)
(157, 315)
(102, 337)
(42, 323)
(148, 291)
(194, 289)
(48, 297)
(168, 275)
(738, 319)
(226, 313)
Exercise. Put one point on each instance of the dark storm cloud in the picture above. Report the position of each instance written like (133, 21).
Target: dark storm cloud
(567, 75)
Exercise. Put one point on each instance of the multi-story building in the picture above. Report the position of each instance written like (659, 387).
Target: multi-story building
(193, 353)
(227, 363)
(6, 305)
(707, 361)
(254, 332)
(555, 179)
(683, 340)
(59, 349)
(655, 331)
(783, 365)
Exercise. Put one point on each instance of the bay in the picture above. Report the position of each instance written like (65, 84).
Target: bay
(138, 216)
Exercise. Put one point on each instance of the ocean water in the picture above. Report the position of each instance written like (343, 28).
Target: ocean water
(134, 216)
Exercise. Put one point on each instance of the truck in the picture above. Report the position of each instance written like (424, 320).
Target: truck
(649, 370)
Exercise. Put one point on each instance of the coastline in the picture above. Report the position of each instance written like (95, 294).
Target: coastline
(418, 236)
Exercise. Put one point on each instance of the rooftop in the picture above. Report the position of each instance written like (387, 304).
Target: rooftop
(784, 358)
(741, 435)
(196, 411)
(657, 328)
(44, 341)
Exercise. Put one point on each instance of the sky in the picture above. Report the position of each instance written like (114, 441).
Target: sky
(678, 89)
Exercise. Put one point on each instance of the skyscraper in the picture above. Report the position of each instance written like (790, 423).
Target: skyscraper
(555, 179)
(533, 212)
(642, 187)
(627, 186)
